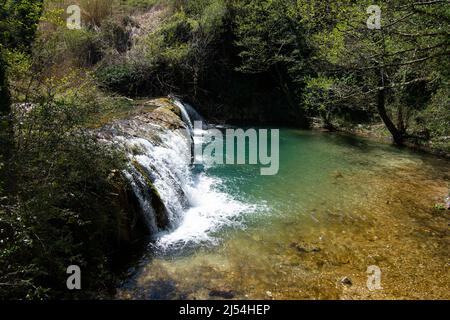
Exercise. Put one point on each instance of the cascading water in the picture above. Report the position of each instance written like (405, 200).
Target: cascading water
(160, 159)
(184, 115)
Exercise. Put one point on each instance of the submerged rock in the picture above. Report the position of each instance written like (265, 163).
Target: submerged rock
(304, 248)
(337, 174)
(346, 281)
(162, 290)
(222, 294)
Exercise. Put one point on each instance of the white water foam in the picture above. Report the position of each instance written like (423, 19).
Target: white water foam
(210, 210)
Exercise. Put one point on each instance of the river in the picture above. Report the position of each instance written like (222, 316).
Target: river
(337, 206)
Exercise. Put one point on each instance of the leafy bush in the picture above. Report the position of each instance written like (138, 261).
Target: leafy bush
(437, 114)
(116, 35)
(64, 207)
(133, 5)
(65, 214)
(95, 11)
(82, 46)
(125, 78)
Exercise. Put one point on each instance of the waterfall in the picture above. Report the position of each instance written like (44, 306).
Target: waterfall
(193, 114)
(184, 113)
(160, 169)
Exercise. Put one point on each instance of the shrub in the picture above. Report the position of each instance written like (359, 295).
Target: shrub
(82, 46)
(114, 34)
(65, 207)
(124, 78)
(437, 116)
(133, 5)
(95, 11)
(65, 214)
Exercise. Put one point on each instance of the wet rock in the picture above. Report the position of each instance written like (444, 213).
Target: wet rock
(346, 281)
(304, 248)
(162, 290)
(158, 206)
(225, 294)
(166, 118)
(337, 174)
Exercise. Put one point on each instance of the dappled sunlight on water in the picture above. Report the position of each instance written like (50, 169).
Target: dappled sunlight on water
(339, 205)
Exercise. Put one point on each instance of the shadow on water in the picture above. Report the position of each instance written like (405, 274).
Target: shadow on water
(352, 142)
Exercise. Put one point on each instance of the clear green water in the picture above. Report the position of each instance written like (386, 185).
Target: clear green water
(338, 205)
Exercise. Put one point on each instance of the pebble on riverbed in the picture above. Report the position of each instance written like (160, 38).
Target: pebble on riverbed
(222, 294)
(337, 174)
(346, 281)
(303, 248)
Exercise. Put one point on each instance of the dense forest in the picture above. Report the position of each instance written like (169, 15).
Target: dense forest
(306, 64)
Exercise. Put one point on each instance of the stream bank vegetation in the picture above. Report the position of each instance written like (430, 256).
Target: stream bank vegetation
(283, 62)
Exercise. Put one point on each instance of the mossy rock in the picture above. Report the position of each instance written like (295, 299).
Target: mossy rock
(166, 103)
(167, 118)
(162, 220)
(174, 109)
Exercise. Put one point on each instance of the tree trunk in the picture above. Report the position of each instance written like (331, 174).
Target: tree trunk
(401, 120)
(396, 134)
(381, 107)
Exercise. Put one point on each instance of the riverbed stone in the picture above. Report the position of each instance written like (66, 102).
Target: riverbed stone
(304, 247)
(346, 281)
(225, 294)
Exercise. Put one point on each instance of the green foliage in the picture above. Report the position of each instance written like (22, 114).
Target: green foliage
(123, 78)
(268, 33)
(94, 12)
(437, 114)
(138, 5)
(318, 96)
(395, 68)
(271, 40)
(4, 90)
(65, 210)
(116, 34)
(18, 25)
(18, 22)
(64, 217)
(82, 47)
(176, 54)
